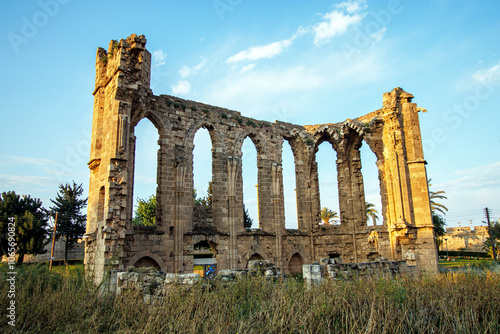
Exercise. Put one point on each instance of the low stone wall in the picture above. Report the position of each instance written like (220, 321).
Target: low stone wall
(155, 284)
(335, 269)
(255, 268)
(152, 284)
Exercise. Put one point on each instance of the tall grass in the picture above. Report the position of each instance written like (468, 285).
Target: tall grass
(459, 302)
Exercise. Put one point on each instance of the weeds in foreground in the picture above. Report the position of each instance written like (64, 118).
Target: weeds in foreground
(457, 302)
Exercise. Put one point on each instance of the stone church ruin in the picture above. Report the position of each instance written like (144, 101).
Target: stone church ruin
(182, 241)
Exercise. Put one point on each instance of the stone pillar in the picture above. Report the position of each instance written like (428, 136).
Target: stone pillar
(264, 192)
(410, 222)
(120, 74)
(179, 223)
(278, 209)
(233, 170)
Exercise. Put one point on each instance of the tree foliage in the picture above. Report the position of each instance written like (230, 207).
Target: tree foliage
(436, 195)
(70, 220)
(204, 201)
(439, 230)
(247, 221)
(437, 220)
(328, 215)
(371, 212)
(493, 240)
(145, 213)
(30, 228)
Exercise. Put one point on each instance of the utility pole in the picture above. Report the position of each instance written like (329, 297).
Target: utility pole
(493, 246)
(53, 243)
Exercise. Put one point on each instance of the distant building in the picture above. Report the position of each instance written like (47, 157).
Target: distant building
(465, 238)
(75, 253)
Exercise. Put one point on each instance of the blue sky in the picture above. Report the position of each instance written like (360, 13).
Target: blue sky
(305, 63)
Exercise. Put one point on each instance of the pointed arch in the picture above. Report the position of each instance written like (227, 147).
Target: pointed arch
(295, 264)
(150, 255)
(372, 185)
(250, 181)
(288, 162)
(144, 165)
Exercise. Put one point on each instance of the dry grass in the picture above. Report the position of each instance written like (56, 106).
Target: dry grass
(460, 302)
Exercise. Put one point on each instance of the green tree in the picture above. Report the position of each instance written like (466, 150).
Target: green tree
(145, 213)
(327, 215)
(209, 198)
(439, 230)
(492, 240)
(247, 221)
(197, 200)
(437, 220)
(70, 220)
(30, 228)
(436, 195)
(371, 212)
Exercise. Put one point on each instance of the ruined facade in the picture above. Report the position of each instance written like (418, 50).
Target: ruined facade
(123, 97)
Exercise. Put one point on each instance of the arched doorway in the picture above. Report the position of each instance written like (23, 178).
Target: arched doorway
(295, 264)
(204, 261)
(146, 261)
(255, 257)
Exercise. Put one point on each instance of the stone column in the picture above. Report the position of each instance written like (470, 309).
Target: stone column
(179, 219)
(233, 169)
(278, 208)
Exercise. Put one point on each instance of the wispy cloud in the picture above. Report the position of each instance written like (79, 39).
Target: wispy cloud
(186, 71)
(334, 23)
(377, 36)
(182, 87)
(262, 83)
(9, 160)
(23, 180)
(159, 58)
(247, 68)
(352, 6)
(260, 52)
(473, 179)
(338, 21)
(489, 75)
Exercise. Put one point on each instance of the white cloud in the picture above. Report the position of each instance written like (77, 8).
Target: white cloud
(186, 71)
(263, 51)
(352, 6)
(262, 84)
(158, 58)
(15, 160)
(247, 68)
(22, 180)
(377, 36)
(473, 179)
(336, 22)
(489, 75)
(181, 88)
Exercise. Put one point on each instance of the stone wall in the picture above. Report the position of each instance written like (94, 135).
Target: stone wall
(122, 97)
(314, 274)
(465, 238)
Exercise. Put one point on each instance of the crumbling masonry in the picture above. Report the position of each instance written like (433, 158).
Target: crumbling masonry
(182, 240)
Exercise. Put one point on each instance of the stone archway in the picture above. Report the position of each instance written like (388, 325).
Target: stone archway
(295, 264)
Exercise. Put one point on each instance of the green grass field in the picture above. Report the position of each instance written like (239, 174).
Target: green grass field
(466, 263)
(63, 301)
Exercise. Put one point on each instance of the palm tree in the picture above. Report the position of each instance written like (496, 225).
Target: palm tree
(433, 195)
(371, 212)
(326, 215)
